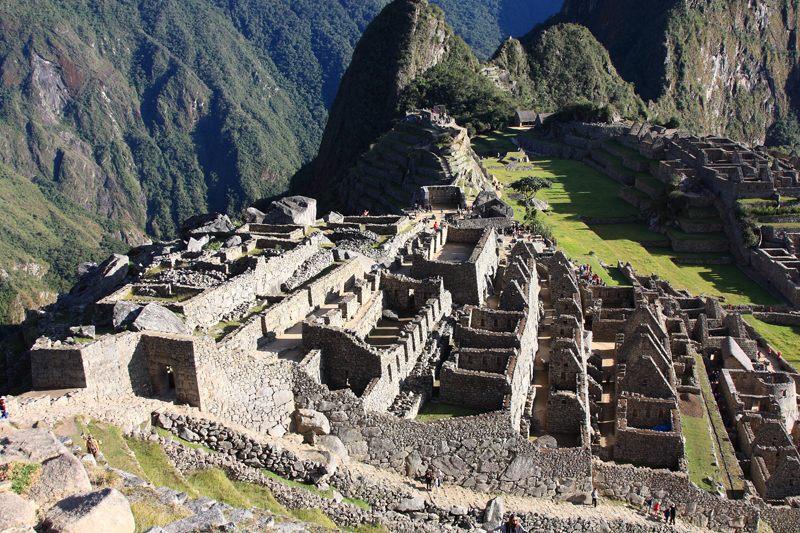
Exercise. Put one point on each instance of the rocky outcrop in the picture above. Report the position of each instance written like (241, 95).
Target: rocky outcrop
(104, 510)
(210, 224)
(15, 512)
(99, 282)
(60, 477)
(153, 317)
(300, 210)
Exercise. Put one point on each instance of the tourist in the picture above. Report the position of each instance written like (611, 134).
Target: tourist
(650, 502)
(512, 526)
(428, 479)
(666, 515)
(594, 497)
(437, 480)
(657, 508)
(92, 447)
(3, 408)
(672, 513)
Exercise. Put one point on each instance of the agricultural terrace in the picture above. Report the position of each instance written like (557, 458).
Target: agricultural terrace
(581, 190)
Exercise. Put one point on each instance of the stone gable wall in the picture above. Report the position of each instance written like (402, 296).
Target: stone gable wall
(565, 413)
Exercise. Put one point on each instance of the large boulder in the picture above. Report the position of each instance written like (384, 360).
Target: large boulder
(156, 318)
(493, 515)
(333, 444)
(105, 511)
(15, 512)
(252, 215)
(211, 224)
(125, 313)
(410, 504)
(308, 420)
(299, 210)
(196, 244)
(99, 282)
(30, 446)
(484, 197)
(60, 477)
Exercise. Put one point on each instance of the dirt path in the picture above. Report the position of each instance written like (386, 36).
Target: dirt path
(450, 495)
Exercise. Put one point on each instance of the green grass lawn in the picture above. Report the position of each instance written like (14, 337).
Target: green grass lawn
(581, 190)
(700, 451)
(630, 153)
(435, 411)
(113, 447)
(782, 224)
(723, 447)
(785, 339)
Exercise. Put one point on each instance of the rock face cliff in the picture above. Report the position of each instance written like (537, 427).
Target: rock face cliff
(407, 38)
(727, 67)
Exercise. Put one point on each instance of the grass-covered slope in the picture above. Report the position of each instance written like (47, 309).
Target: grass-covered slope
(42, 242)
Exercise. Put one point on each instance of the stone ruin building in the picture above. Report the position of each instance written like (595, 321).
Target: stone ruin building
(365, 320)
(425, 149)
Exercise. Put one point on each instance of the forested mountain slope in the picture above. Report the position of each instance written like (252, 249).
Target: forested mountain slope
(722, 66)
(146, 113)
(483, 24)
(408, 56)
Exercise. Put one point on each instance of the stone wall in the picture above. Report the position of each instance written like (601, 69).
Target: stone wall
(636, 442)
(468, 282)
(478, 379)
(401, 292)
(372, 313)
(245, 389)
(694, 505)
(107, 368)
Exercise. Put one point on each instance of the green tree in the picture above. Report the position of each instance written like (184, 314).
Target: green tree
(529, 187)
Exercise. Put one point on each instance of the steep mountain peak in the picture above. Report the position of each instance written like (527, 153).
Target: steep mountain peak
(405, 40)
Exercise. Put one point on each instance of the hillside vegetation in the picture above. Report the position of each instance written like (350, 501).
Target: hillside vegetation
(565, 64)
(720, 67)
(140, 115)
(483, 24)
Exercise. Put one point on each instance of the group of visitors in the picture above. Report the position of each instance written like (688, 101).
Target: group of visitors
(433, 478)
(585, 273)
(654, 509)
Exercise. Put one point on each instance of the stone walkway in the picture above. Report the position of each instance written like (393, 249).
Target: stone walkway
(450, 495)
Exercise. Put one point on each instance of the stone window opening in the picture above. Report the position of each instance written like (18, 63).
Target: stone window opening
(389, 367)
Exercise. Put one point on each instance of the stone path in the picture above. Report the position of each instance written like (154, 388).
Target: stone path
(450, 495)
